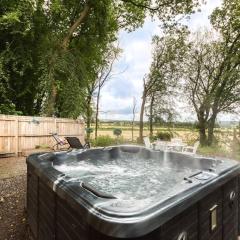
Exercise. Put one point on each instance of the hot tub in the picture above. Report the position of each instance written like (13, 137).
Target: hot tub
(130, 192)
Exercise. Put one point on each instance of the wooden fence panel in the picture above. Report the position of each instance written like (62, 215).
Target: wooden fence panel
(20, 133)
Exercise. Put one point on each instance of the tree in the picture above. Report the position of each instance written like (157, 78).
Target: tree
(19, 50)
(51, 48)
(132, 14)
(167, 54)
(213, 81)
(84, 40)
(160, 107)
(134, 108)
(104, 75)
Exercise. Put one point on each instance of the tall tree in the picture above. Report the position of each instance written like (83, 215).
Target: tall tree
(212, 66)
(38, 39)
(160, 107)
(134, 109)
(131, 14)
(167, 54)
(84, 39)
(20, 47)
(105, 73)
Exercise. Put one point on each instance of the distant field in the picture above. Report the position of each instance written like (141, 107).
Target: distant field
(224, 137)
(187, 134)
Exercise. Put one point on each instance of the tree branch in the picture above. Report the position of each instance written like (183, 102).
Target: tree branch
(76, 24)
(151, 8)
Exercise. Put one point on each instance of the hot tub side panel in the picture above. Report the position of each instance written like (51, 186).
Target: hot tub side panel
(52, 218)
(184, 224)
(230, 209)
(32, 200)
(212, 202)
(46, 209)
(239, 205)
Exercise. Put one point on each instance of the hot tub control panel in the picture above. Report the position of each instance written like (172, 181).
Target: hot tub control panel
(201, 176)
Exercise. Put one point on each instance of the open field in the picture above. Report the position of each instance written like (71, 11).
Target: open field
(224, 138)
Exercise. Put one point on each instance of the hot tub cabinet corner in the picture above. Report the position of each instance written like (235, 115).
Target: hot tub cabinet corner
(52, 216)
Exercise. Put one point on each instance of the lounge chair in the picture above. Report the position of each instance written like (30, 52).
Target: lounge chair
(59, 141)
(191, 149)
(75, 143)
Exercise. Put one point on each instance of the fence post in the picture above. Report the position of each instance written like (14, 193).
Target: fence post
(16, 136)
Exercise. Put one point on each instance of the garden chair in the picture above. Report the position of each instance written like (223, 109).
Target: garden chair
(147, 142)
(191, 149)
(75, 143)
(176, 140)
(177, 144)
(59, 141)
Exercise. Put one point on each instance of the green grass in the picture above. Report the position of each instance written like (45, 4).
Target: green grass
(125, 128)
(213, 151)
(190, 135)
(218, 151)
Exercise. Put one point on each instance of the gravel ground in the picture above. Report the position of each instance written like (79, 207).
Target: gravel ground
(12, 167)
(12, 214)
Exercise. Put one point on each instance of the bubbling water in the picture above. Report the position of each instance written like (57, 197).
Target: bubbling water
(130, 177)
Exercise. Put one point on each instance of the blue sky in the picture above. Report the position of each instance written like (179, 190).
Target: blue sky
(117, 95)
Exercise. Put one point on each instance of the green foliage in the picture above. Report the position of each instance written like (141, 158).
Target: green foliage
(106, 140)
(9, 109)
(164, 136)
(227, 18)
(38, 75)
(103, 141)
(42, 146)
(132, 13)
(212, 69)
(160, 84)
(214, 150)
(117, 132)
(19, 53)
(89, 130)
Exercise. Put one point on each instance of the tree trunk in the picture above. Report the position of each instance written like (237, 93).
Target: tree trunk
(211, 125)
(133, 118)
(239, 129)
(144, 96)
(52, 100)
(151, 116)
(97, 111)
(64, 46)
(89, 116)
(202, 132)
(75, 25)
(132, 130)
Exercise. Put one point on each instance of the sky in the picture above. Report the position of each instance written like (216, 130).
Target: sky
(117, 95)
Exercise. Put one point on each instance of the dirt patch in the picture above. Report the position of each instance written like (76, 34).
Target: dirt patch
(12, 214)
(11, 167)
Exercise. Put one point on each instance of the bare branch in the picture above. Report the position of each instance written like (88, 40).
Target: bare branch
(151, 8)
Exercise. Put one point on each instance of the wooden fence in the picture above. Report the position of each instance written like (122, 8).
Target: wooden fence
(20, 133)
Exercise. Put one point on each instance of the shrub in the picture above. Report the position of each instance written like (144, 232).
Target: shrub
(103, 141)
(117, 132)
(213, 151)
(89, 130)
(41, 146)
(164, 136)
